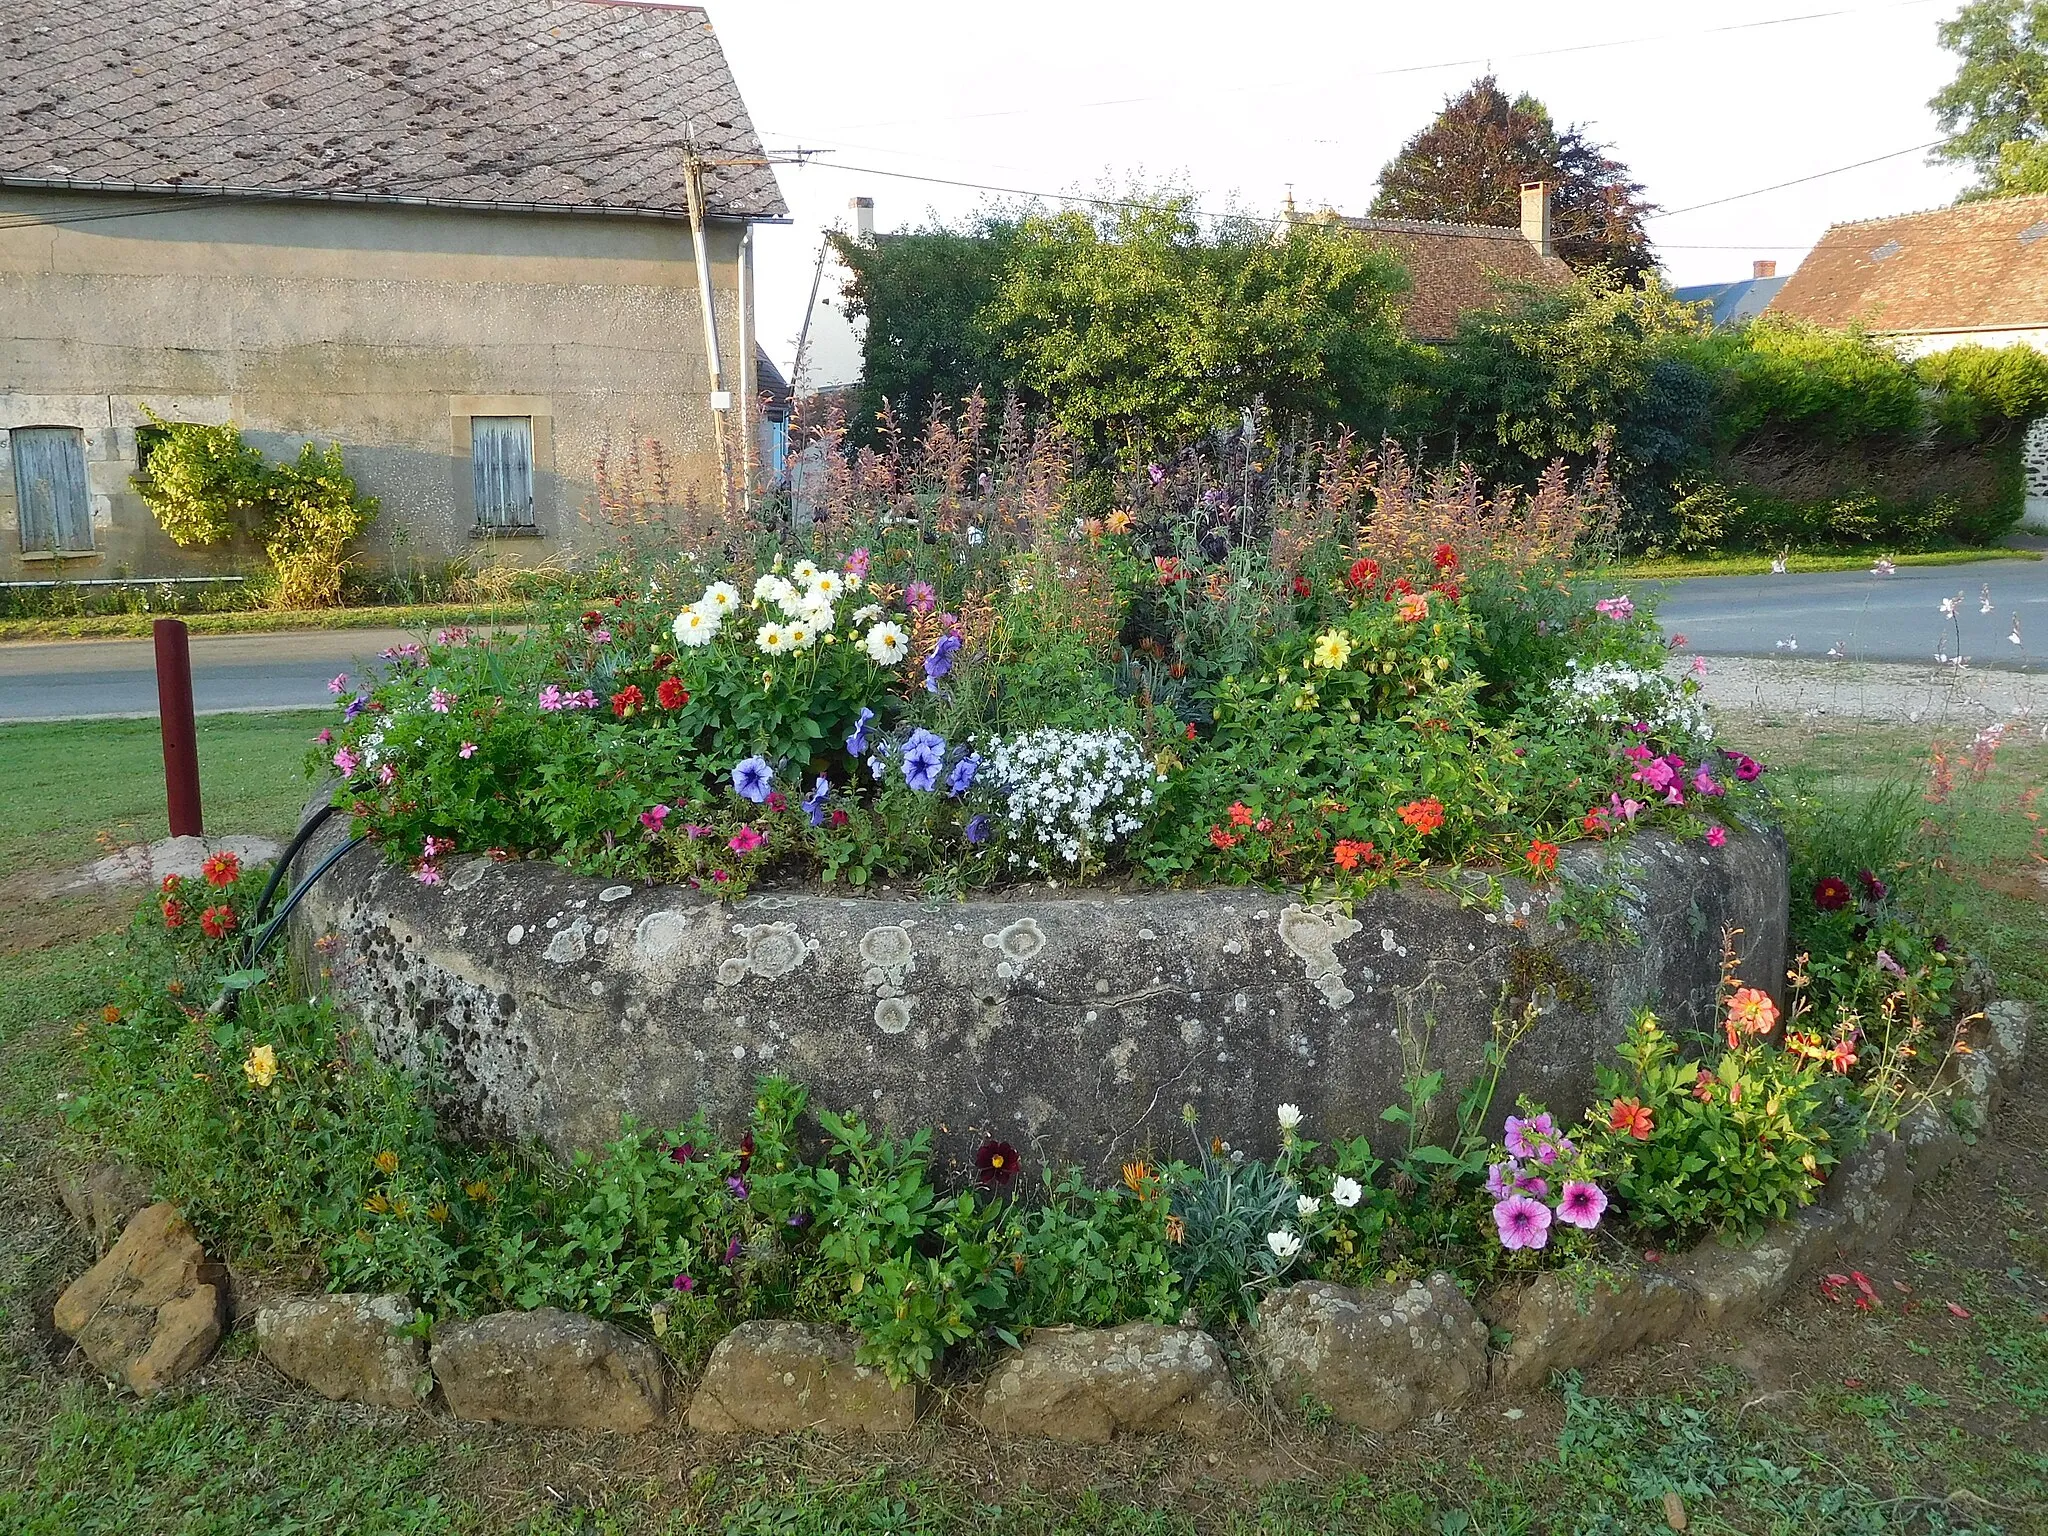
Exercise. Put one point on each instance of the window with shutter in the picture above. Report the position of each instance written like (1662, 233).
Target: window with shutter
(501, 460)
(49, 490)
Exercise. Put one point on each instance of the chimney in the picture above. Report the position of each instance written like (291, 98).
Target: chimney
(1763, 269)
(863, 217)
(1536, 216)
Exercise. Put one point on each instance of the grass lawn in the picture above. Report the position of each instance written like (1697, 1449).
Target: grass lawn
(1818, 1421)
(263, 621)
(1672, 567)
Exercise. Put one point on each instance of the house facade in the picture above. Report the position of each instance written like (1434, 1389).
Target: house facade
(454, 238)
(1976, 273)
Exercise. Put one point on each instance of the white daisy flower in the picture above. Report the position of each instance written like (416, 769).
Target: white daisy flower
(887, 644)
(765, 585)
(804, 571)
(868, 615)
(798, 637)
(721, 597)
(827, 585)
(695, 627)
(851, 581)
(773, 639)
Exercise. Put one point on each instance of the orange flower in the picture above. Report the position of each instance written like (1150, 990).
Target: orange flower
(1542, 856)
(1240, 814)
(1118, 522)
(387, 1162)
(217, 922)
(223, 869)
(1631, 1116)
(111, 1014)
(1750, 1012)
(1136, 1177)
(1348, 854)
(170, 885)
(1414, 607)
(1221, 838)
(1425, 816)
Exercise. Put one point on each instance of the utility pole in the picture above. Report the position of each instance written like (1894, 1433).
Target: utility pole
(721, 397)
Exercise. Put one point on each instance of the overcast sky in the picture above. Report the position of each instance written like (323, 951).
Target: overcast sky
(1242, 100)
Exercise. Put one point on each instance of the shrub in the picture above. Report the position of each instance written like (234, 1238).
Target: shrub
(1781, 376)
(1984, 391)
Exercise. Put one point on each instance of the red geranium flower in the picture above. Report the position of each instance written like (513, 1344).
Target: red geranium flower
(174, 912)
(1363, 573)
(1221, 838)
(1542, 856)
(995, 1164)
(627, 700)
(222, 869)
(1349, 854)
(1240, 814)
(1831, 894)
(217, 922)
(1425, 816)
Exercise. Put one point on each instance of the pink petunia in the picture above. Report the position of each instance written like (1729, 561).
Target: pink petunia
(337, 683)
(1581, 1204)
(1717, 835)
(746, 840)
(325, 736)
(1522, 1222)
(653, 817)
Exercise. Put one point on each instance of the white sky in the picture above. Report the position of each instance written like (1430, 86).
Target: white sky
(1241, 100)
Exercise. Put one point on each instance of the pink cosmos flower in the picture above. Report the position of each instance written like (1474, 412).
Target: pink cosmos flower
(857, 564)
(1582, 1204)
(346, 761)
(919, 597)
(439, 699)
(1717, 835)
(746, 840)
(468, 749)
(653, 817)
(1522, 1222)
(337, 683)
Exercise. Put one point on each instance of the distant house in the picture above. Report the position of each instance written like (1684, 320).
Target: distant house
(1974, 273)
(1733, 303)
(1454, 268)
(453, 238)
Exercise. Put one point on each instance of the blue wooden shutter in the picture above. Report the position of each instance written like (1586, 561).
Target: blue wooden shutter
(501, 461)
(49, 489)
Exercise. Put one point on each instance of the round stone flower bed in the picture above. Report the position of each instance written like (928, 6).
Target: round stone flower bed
(1079, 1026)
(154, 1308)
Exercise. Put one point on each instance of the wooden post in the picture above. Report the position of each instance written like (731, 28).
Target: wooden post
(174, 710)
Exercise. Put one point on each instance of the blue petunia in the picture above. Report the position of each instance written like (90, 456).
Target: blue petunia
(754, 779)
(923, 756)
(857, 743)
(976, 830)
(962, 776)
(814, 802)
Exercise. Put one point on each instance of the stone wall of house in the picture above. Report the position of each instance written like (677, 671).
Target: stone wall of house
(382, 328)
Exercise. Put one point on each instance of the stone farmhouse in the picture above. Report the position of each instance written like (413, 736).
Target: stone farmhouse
(452, 235)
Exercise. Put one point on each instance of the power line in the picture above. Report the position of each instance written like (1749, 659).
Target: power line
(1797, 181)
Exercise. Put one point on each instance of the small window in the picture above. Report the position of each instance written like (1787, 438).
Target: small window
(49, 490)
(501, 460)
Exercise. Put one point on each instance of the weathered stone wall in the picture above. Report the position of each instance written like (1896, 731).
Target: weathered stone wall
(1075, 1026)
(382, 328)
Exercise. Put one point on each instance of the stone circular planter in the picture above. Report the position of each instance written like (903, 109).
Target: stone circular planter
(1075, 1025)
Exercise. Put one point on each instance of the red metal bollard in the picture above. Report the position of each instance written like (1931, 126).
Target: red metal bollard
(174, 709)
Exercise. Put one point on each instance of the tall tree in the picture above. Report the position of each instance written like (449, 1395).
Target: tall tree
(1468, 166)
(1995, 111)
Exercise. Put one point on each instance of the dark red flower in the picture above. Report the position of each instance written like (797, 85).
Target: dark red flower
(1449, 589)
(746, 1150)
(1301, 587)
(627, 700)
(1446, 558)
(669, 693)
(995, 1164)
(1363, 573)
(1404, 586)
(838, 818)
(592, 618)
(174, 912)
(1831, 893)
(1873, 887)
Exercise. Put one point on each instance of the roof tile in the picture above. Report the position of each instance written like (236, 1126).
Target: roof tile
(1967, 268)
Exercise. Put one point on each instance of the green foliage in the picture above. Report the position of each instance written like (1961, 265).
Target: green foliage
(1729, 1147)
(204, 485)
(1999, 96)
(1787, 377)
(1469, 164)
(1138, 330)
(1984, 391)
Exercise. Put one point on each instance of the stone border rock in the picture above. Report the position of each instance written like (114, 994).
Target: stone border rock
(150, 1311)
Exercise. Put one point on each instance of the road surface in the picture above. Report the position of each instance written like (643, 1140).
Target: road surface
(1865, 617)
(1862, 616)
(116, 679)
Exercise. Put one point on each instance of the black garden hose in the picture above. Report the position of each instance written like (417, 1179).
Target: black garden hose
(263, 933)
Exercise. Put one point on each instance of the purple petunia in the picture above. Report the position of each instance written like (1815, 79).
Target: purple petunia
(683, 1283)
(857, 743)
(976, 830)
(754, 779)
(738, 1186)
(923, 756)
(1500, 1180)
(1522, 1222)
(940, 662)
(1531, 1184)
(1581, 1204)
(1517, 1137)
(814, 802)
(962, 776)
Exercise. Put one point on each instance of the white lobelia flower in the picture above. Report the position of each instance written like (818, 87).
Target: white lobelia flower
(1285, 1245)
(695, 627)
(721, 597)
(1345, 1193)
(772, 638)
(1290, 1116)
(1306, 1206)
(887, 644)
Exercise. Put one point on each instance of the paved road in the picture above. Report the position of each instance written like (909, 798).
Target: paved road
(1868, 617)
(111, 679)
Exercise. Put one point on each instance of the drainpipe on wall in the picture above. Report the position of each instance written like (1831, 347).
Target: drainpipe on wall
(721, 398)
(746, 421)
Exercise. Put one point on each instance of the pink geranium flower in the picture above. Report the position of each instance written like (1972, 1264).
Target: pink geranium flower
(439, 699)
(468, 749)
(346, 761)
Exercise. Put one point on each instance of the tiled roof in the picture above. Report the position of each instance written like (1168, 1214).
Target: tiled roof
(1734, 302)
(573, 104)
(1456, 267)
(1974, 267)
